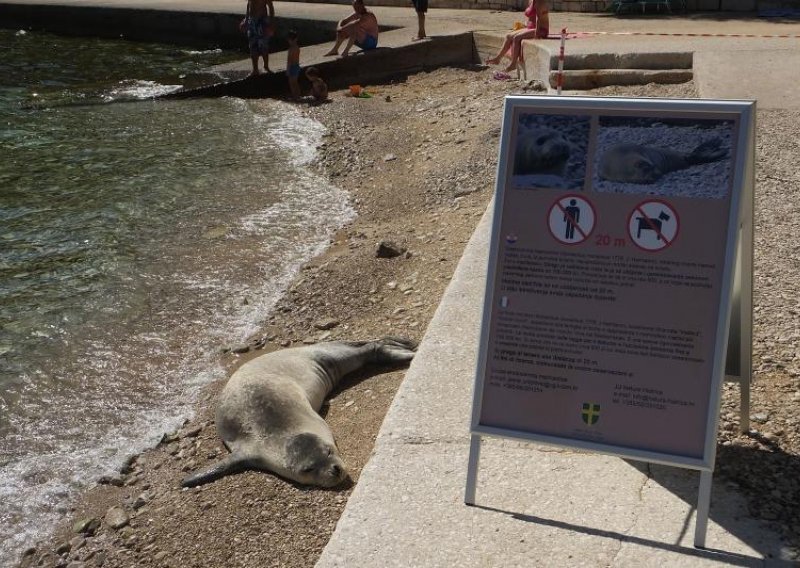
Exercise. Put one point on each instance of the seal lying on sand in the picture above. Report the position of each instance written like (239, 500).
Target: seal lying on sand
(267, 414)
(632, 163)
(541, 150)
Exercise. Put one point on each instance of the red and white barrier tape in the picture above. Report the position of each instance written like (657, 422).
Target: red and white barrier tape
(560, 79)
(576, 35)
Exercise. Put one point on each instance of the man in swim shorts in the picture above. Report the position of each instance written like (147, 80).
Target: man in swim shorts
(257, 24)
(421, 7)
(359, 28)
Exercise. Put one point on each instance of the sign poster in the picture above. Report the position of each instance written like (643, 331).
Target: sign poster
(609, 281)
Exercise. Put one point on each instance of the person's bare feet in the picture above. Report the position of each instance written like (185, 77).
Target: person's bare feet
(493, 61)
(419, 37)
(511, 67)
(331, 53)
(345, 54)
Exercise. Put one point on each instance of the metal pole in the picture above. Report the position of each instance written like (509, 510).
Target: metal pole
(472, 468)
(560, 78)
(703, 506)
(746, 297)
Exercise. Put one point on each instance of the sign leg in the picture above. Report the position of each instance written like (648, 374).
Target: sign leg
(746, 250)
(703, 506)
(744, 404)
(472, 468)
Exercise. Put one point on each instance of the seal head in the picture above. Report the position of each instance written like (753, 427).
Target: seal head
(541, 150)
(313, 461)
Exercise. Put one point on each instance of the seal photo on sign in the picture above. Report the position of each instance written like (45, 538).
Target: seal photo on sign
(635, 163)
(541, 150)
(549, 151)
(268, 412)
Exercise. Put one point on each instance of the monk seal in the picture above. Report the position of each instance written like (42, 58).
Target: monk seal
(267, 415)
(632, 163)
(541, 150)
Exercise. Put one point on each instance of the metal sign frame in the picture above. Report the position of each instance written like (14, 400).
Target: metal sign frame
(734, 312)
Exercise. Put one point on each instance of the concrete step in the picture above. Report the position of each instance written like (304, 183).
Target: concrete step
(650, 61)
(489, 44)
(584, 79)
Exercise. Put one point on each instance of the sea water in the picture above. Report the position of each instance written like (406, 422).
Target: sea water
(137, 236)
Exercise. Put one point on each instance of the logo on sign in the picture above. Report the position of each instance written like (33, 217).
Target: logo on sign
(590, 413)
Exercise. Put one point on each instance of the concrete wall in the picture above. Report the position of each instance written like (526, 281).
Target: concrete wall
(581, 5)
(181, 28)
(453, 4)
(567, 5)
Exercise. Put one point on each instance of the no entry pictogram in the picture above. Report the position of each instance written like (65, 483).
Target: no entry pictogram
(571, 219)
(653, 225)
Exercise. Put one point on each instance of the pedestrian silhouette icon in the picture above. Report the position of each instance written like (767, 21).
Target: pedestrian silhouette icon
(571, 219)
(572, 216)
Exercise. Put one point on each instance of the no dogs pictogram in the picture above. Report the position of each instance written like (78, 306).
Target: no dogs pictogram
(653, 225)
(571, 219)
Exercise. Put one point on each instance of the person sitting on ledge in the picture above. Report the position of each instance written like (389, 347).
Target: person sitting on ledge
(538, 26)
(359, 28)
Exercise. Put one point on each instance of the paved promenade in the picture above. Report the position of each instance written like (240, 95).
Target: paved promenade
(759, 67)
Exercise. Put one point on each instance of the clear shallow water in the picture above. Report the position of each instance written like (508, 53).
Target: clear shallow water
(135, 239)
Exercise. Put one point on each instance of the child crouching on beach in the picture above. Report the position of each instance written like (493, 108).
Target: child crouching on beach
(319, 90)
(293, 64)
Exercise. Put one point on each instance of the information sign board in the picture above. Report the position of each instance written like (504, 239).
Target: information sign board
(609, 286)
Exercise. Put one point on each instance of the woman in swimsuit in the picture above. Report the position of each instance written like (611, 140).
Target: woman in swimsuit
(538, 26)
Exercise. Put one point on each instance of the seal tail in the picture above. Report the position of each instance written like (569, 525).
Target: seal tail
(234, 463)
(708, 151)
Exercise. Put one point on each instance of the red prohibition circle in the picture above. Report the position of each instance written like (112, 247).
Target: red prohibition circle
(674, 211)
(557, 203)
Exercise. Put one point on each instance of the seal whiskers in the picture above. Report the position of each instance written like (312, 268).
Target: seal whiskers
(267, 414)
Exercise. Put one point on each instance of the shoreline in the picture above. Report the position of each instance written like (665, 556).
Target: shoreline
(418, 162)
(394, 290)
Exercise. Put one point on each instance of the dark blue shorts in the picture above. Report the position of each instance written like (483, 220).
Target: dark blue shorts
(293, 70)
(368, 43)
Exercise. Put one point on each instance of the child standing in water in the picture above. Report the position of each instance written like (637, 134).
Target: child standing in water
(293, 64)
(319, 90)
(257, 24)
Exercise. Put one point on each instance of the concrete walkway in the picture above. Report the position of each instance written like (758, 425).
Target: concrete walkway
(730, 67)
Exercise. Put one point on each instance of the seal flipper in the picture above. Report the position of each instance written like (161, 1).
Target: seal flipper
(708, 151)
(394, 350)
(234, 463)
